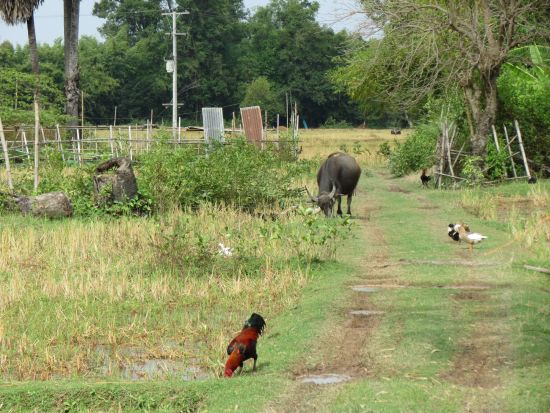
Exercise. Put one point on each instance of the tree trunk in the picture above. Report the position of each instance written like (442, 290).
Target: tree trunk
(32, 46)
(36, 70)
(481, 100)
(72, 75)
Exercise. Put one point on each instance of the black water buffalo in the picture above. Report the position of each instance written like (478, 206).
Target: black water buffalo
(337, 176)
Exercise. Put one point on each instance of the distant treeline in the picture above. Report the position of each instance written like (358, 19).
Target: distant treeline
(226, 58)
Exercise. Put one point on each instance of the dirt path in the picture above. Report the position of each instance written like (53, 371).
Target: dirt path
(344, 347)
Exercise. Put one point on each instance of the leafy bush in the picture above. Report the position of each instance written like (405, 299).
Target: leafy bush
(239, 174)
(524, 94)
(417, 152)
(496, 162)
(471, 170)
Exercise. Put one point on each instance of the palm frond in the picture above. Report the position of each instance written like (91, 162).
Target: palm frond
(18, 11)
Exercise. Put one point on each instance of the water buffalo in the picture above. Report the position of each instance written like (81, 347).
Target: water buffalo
(337, 176)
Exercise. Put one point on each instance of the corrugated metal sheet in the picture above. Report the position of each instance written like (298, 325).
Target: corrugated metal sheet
(212, 120)
(252, 124)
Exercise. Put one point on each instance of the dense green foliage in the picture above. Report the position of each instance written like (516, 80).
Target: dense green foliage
(524, 92)
(237, 174)
(415, 153)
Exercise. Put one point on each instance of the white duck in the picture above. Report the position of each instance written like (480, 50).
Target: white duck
(470, 238)
(225, 251)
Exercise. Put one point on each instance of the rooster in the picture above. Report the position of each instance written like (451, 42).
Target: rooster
(425, 178)
(243, 347)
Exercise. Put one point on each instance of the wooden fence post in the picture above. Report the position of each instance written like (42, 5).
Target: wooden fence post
(78, 146)
(130, 140)
(59, 144)
(24, 137)
(111, 141)
(36, 143)
(6, 156)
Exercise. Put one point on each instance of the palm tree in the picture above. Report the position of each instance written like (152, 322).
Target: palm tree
(20, 11)
(71, 10)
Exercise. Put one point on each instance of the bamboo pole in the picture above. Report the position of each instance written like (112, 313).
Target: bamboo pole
(495, 137)
(6, 156)
(449, 160)
(59, 144)
(179, 129)
(130, 141)
(459, 153)
(42, 133)
(24, 137)
(277, 126)
(147, 137)
(450, 176)
(36, 143)
(508, 142)
(440, 152)
(111, 141)
(516, 124)
(78, 147)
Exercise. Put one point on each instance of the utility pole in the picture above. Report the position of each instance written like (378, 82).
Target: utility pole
(174, 68)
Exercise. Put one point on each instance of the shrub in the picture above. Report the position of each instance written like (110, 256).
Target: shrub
(417, 152)
(239, 174)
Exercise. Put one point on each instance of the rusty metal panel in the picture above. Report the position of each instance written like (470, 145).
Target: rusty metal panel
(252, 124)
(212, 120)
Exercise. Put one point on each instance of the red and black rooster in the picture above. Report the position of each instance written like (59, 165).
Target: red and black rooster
(425, 178)
(243, 347)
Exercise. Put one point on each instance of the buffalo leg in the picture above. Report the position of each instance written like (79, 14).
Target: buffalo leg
(339, 199)
(254, 367)
(349, 204)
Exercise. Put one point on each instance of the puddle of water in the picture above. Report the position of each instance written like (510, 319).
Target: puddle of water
(366, 312)
(323, 379)
(364, 289)
(136, 366)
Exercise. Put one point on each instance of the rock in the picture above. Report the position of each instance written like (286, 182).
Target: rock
(115, 187)
(51, 205)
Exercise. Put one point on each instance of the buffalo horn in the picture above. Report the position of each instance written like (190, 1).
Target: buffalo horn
(333, 192)
(313, 199)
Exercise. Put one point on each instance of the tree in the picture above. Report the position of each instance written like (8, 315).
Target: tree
(434, 46)
(18, 11)
(71, 11)
(21, 11)
(288, 46)
(260, 92)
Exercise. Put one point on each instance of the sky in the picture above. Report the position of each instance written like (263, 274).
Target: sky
(49, 19)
